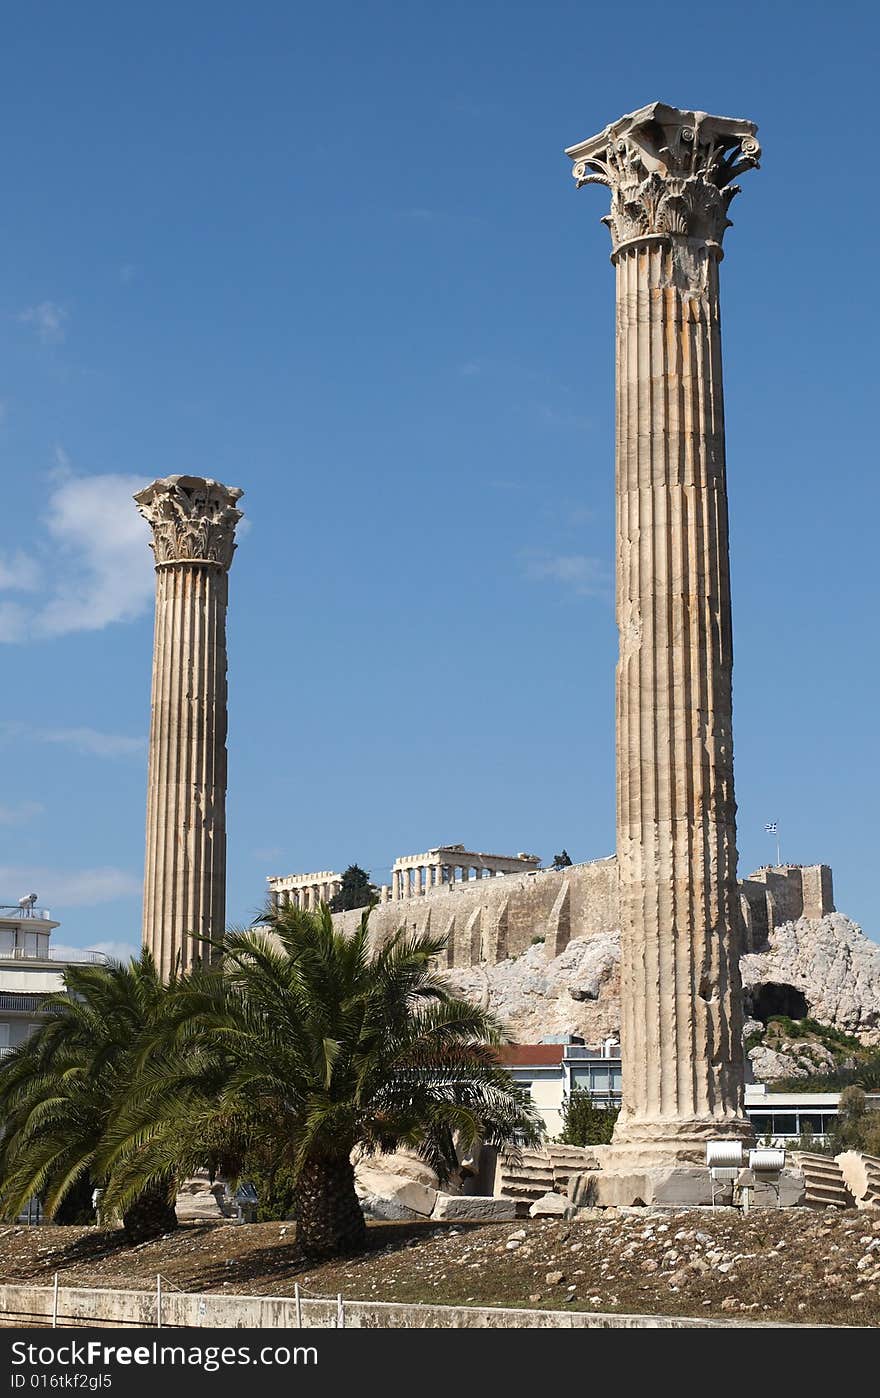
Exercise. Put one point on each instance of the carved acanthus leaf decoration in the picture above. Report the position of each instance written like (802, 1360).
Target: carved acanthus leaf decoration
(193, 519)
(670, 172)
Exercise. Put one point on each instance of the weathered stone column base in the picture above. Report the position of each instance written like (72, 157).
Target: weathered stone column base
(682, 1141)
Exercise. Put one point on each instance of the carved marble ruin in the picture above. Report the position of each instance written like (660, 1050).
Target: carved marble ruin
(670, 176)
(446, 866)
(306, 891)
(193, 521)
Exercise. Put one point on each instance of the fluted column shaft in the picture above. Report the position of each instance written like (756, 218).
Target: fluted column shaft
(676, 834)
(193, 521)
(669, 174)
(185, 863)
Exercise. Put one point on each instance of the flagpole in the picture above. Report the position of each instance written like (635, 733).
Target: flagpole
(778, 855)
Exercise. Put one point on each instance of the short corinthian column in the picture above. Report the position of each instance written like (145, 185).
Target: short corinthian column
(669, 173)
(193, 522)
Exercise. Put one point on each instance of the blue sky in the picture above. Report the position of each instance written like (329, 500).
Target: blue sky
(334, 255)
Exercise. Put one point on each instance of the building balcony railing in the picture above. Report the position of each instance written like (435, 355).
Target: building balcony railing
(75, 954)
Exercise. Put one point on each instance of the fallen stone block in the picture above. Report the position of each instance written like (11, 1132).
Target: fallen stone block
(388, 1210)
(551, 1205)
(474, 1208)
(674, 1184)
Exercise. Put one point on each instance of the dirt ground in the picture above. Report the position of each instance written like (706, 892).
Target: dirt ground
(797, 1264)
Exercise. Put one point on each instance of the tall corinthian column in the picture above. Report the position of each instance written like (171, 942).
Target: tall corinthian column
(669, 173)
(193, 522)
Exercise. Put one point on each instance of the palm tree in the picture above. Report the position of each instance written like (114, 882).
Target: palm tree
(58, 1092)
(303, 1045)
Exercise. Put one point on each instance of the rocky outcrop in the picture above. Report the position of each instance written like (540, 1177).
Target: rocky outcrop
(790, 1061)
(576, 992)
(827, 965)
(833, 963)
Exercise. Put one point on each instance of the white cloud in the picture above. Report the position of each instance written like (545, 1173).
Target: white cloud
(20, 814)
(13, 622)
(19, 572)
(118, 951)
(91, 742)
(585, 576)
(95, 524)
(48, 319)
(60, 889)
(99, 569)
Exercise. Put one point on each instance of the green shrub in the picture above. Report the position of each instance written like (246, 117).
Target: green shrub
(585, 1122)
(275, 1191)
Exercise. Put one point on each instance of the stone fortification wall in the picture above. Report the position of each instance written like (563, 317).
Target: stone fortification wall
(489, 920)
(492, 919)
(774, 896)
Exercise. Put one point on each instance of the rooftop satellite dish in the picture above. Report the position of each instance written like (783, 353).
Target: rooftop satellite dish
(28, 901)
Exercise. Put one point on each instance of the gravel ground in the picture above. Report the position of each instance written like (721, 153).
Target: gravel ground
(796, 1264)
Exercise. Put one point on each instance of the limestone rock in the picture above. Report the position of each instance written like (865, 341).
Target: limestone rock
(198, 1198)
(830, 959)
(474, 1208)
(795, 1060)
(861, 1174)
(395, 1186)
(551, 1205)
(833, 963)
(576, 992)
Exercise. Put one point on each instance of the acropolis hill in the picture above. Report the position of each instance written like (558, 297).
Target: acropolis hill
(541, 948)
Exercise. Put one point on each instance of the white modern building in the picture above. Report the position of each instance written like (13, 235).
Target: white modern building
(553, 1070)
(30, 969)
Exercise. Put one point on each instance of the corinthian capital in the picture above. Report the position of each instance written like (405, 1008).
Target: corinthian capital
(193, 519)
(670, 172)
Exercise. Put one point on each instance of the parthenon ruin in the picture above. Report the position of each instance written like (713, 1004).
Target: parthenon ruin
(416, 874)
(412, 876)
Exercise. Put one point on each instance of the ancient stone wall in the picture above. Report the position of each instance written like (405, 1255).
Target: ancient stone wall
(773, 896)
(489, 920)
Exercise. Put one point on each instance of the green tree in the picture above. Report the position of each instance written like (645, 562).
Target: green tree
(562, 860)
(586, 1122)
(60, 1090)
(356, 891)
(856, 1127)
(306, 1044)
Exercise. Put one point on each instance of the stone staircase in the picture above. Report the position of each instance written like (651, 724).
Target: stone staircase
(824, 1184)
(544, 1171)
(568, 1161)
